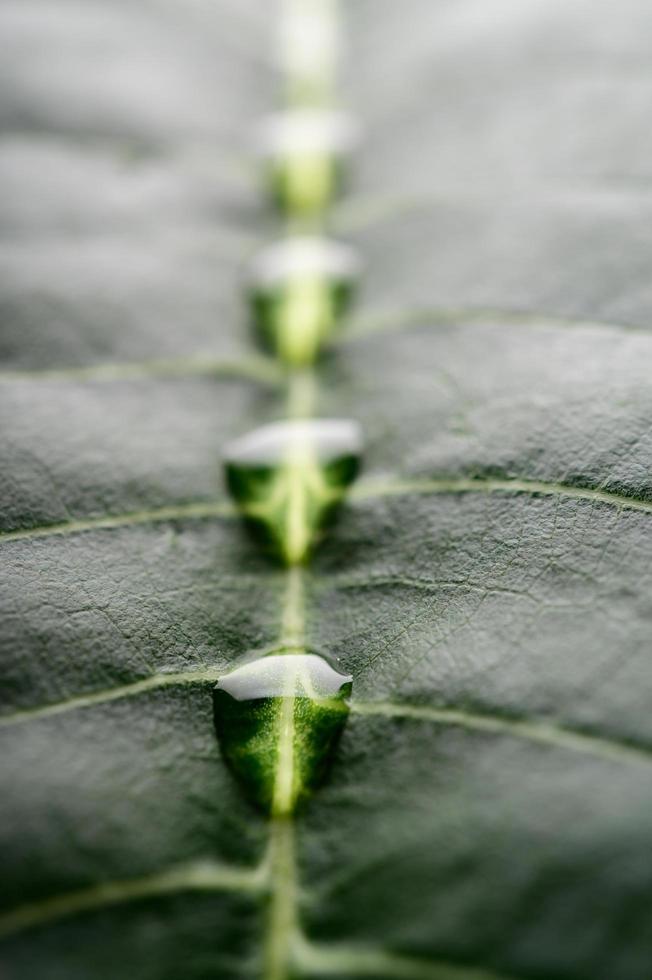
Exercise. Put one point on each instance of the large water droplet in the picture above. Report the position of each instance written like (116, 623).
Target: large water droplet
(303, 150)
(300, 287)
(277, 720)
(288, 477)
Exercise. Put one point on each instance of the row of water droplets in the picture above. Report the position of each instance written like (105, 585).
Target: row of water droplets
(279, 713)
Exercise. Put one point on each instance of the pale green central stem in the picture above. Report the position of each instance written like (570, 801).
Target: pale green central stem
(301, 393)
(298, 530)
(293, 635)
(293, 616)
(283, 931)
(284, 794)
(305, 318)
(301, 476)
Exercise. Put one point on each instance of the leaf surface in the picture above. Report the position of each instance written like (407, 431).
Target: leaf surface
(487, 585)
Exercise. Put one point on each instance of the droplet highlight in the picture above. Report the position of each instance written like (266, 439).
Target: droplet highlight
(303, 151)
(288, 477)
(278, 719)
(300, 288)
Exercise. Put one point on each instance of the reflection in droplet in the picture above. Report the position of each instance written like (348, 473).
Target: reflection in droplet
(303, 150)
(288, 477)
(299, 289)
(277, 720)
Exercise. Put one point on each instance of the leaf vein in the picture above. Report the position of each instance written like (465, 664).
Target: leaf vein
(371, 489)
(545, 733)
(202, 875)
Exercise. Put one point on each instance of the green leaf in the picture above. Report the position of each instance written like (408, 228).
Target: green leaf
(486, 815)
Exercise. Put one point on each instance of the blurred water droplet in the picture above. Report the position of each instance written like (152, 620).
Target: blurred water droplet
(303, 150)
(288, 477)
(300, 287)
(309, 44)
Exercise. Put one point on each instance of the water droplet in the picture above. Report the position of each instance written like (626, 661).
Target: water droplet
(300, 287)
(288, 477)
(309, 42)
(303, 150)
(277, 719)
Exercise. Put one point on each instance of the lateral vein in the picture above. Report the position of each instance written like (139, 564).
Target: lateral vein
(196, 876)
(370, 489)
(110, 694)
(177, 512)
(350, 961)
(254, 369)
(532, 731)
(398, 320)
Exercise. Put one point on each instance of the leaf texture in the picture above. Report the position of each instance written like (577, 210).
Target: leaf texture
(488, 585)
